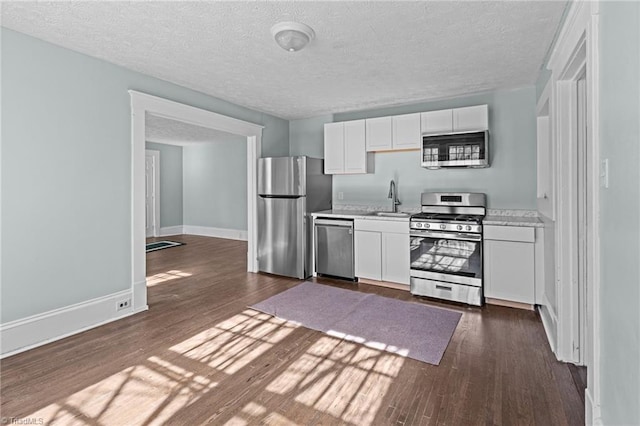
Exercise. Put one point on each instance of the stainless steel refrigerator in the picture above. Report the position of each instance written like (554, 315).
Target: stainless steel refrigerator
(289, 189)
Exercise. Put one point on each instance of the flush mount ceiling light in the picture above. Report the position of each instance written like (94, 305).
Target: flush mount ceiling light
(292, 36)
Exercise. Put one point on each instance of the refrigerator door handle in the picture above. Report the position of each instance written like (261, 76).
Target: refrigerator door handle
(279, 196)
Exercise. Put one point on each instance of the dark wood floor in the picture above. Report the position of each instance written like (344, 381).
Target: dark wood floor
(199, 355)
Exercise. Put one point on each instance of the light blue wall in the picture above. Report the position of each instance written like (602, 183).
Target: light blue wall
(620, 212)
(66, 172)
(307, 135)
(510, 182)
(170, 183)
(215, 184)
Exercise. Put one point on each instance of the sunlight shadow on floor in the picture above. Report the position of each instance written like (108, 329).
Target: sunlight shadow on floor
(333, 378)
(163, 277)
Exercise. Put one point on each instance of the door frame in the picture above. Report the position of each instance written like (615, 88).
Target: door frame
(577, 49)
(141, 104)
(156, 183)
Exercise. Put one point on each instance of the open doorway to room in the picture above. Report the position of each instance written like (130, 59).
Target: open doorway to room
(195, 185)
(203, 179)
(143, 104)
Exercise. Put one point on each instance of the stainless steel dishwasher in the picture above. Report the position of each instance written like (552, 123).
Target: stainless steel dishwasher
(334, 248)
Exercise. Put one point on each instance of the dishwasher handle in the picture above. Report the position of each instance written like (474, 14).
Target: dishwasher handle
(334, 222)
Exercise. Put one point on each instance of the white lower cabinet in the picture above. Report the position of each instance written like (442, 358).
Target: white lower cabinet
(395, 258)
(382, 250)
(509, 263)
(368, 248)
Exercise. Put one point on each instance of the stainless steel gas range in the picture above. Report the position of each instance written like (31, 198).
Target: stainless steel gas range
(446, 247)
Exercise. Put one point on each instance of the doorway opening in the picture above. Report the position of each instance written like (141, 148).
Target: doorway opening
(203, 185)
(141, 104)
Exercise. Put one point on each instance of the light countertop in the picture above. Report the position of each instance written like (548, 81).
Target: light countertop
(506, 220)
(494, 217)
(357, 214)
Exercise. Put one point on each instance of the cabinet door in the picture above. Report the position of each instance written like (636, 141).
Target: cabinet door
(379, 134)
(333, 148)
(434, 122)
(368, 255)
(355, 154)
(471, 118)
(406, 131)
(395, 258)
(509, 271)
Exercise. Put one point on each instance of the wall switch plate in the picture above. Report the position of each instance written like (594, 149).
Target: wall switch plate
(340, 195)
(604, 173)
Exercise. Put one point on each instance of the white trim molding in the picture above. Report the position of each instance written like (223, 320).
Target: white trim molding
(141, 104)
(208, 231)
(37, 330)
(549, 321)
(577, 49)
(171, 230)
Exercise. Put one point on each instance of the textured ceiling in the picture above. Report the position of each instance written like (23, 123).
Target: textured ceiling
(365, 55)
(172, 132)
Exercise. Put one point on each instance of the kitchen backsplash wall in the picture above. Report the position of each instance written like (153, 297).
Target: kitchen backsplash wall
(510, 182)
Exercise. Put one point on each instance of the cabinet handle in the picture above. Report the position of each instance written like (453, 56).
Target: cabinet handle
(441, 287)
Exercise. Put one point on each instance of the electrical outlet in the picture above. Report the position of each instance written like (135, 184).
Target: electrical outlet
(123, 304)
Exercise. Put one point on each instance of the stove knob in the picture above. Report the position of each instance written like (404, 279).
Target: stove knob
(468, 227)
(459, 227)
(426, 225)
(443, 226)
(418, 225)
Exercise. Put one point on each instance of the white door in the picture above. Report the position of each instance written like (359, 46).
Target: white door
(152, 199)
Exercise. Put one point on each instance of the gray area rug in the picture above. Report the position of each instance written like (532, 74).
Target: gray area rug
(405, 328)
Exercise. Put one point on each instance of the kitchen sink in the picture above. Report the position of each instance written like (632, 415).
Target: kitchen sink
(390, 214)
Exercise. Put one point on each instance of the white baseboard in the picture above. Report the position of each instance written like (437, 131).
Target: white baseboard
(207, 231)
(27, 333)
(591, 411)
(550, 323)
(171, 230)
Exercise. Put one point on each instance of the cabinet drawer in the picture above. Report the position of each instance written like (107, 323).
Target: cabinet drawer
(509, 233)
(382, 226)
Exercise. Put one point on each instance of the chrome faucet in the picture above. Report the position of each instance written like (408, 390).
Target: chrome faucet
(394, 197)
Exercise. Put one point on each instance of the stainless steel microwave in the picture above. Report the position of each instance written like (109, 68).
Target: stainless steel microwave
(465, 149)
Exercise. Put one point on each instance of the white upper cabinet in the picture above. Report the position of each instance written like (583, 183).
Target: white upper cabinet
(437, 122)
(344, 147)
(355, 154)
(347, 143)
(333, 148)
(394, 132)
(406, 131)
(474, 118)
(468, 119)
(379, 134)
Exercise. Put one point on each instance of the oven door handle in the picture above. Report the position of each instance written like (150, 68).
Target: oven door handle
(448, 235)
